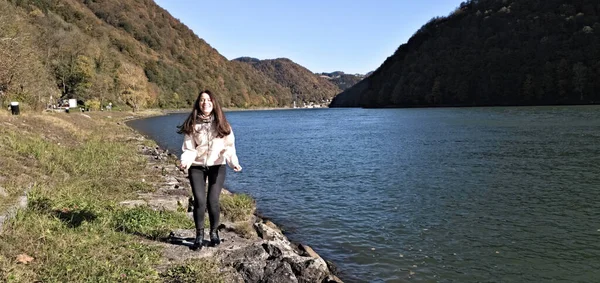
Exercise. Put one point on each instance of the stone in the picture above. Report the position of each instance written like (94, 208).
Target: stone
(268, 233)
(133, 203)
(272, 225)
(171, 181)
(332, 279)
(182, 180)
(233, 277)
(22, 202)
(308, 251)
(3, 192)
(308, 269)
(172, 191)
(277, 271)
(279, 248)
(273, 250)
(183, 233)
(24, 259)
(12, 211)
(169, 203)
(249, 262)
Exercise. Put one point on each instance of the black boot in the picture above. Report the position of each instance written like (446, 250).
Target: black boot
(199, 239)
(214, 238)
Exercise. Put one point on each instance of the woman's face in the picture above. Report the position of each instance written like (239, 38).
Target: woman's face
(206, 105)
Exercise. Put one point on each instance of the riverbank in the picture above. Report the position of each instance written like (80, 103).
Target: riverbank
(187, 110)
(106, 203)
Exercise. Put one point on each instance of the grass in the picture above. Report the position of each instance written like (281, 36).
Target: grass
(245, 229)
(205, 271)
(237, 207)
(77, 169)
(151, 224)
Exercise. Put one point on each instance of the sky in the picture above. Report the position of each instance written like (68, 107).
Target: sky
(353, 36)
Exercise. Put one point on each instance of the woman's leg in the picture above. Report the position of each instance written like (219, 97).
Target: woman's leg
(197, 176)
(216, 178)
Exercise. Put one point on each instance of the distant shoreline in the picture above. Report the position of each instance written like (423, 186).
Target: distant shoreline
(225, 109)
(154, 112)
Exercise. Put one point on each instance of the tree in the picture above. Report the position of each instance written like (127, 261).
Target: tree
(527, 89)
(176, 100)
(82, 75)
(93, 104)
(579, 79)
(23, 77)
(436, 92)
(133, 86)
(563, 72)
(549, 81)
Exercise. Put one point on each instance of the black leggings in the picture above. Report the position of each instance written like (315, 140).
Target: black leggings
(216, 177)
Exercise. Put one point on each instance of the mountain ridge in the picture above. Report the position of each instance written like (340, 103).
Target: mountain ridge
(131, 53)
(304, 85)
(488, 52)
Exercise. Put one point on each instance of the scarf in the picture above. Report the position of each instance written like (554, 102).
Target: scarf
(201, 118)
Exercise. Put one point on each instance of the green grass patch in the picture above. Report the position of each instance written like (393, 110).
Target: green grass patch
(72, 244)
(237, 207)
(73, 227)
(197, 270)
(149, 223)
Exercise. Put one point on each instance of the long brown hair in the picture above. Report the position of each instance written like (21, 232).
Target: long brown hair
(222, 126)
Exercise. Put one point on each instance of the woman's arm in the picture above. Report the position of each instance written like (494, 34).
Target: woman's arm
(230, 154)
(188, 149)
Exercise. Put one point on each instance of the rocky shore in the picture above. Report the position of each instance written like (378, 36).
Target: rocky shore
(262, 254)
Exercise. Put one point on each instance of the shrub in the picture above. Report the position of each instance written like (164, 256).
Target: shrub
(237, 207)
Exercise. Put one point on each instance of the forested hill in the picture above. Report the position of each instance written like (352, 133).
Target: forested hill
(492, 52)
(127, 52)
(304, 85)
(342, 80)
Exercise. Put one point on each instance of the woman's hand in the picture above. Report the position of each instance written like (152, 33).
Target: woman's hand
(182, 166)
(237, 168)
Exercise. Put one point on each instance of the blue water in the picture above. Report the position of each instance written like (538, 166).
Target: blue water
(505, 194)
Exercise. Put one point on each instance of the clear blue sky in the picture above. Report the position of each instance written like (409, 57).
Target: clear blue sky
(353, 36)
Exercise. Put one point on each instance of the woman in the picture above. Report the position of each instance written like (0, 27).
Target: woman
(208, 144)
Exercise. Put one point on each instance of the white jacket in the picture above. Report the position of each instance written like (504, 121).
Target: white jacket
(205, 149)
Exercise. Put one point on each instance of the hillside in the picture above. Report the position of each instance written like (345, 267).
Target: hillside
(127, 52)
(342, 80)
(301, 82)
(492, 52)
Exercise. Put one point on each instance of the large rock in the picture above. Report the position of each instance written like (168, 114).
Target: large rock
(249, 262)
(268, 233)
(276, 272)
(275, 261)
(308, 269)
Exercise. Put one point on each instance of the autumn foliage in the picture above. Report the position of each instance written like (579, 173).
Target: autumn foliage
(129, 53)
